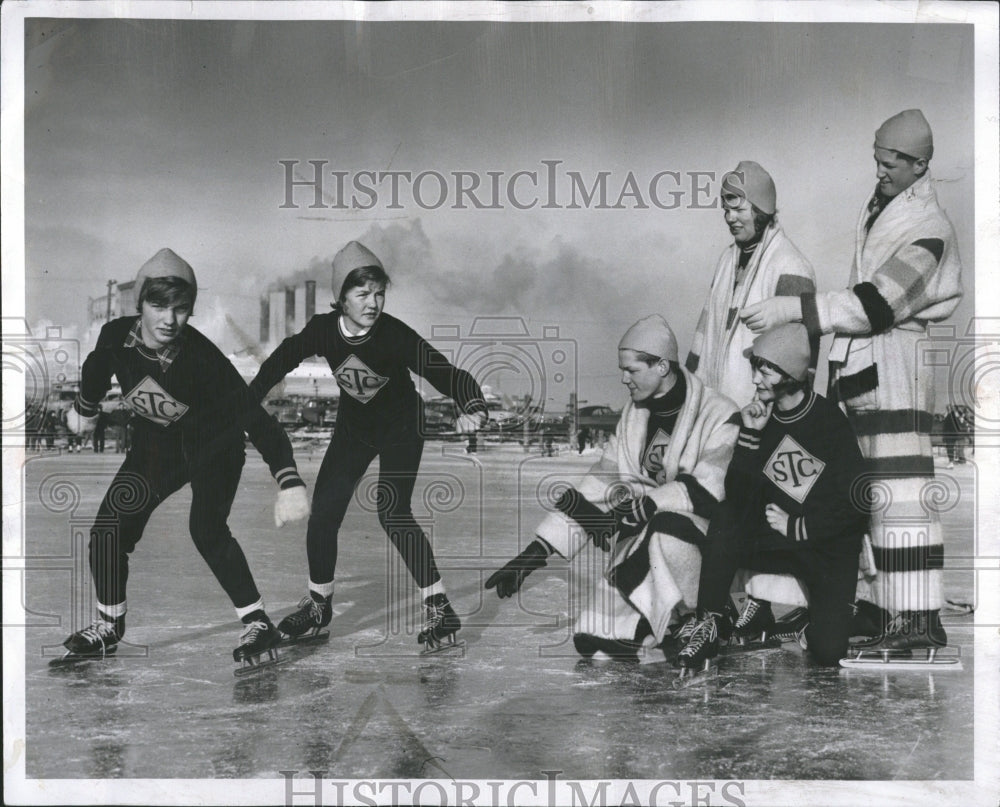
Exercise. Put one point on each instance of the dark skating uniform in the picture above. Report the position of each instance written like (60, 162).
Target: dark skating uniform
(183, 432)
(379, 416)
(807, 462)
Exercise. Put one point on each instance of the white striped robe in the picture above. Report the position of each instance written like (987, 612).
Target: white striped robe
(906, 273)
(657, 571)
(776, 269)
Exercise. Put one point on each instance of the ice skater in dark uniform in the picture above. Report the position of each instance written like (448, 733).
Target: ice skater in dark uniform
(371, 355)
(795, 500)
(177, 384)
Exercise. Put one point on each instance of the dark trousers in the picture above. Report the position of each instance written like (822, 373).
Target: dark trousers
(831, 576)
(345, 463)
(150, 473)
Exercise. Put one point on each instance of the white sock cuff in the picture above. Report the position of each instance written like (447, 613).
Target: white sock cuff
(113, 611)
(249, 609)
(432, 589)
(323, 589)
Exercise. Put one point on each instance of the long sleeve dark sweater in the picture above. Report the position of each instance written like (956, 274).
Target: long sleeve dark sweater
(378, 397)
(189, 402)
(807, 462)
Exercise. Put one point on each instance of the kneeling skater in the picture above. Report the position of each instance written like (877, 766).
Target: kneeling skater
(794, 505)
(647, 501)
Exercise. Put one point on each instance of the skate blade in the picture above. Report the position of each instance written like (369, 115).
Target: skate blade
(876, 660)
(690, 677)
(317, 637)
(444, 647)
(752, 646)
(70, 659)
(252, 666)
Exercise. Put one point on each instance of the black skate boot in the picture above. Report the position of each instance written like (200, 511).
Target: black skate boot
(792, 627)
(307, 622)
(97, 641)
(908, 631)
(258, 647)
(441, 623)
(587, 645)
(696, 657)
(755, 623)
(678, 636)
(869, 620)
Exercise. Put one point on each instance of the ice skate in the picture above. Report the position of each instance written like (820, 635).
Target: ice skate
(305, 625)
(96, 642)
(697, 659)
(258, 647)
(587, 645)
(678, 636)
(912, 640)
(868, 620)
(791, 627)
(754, 628)
(441, 623)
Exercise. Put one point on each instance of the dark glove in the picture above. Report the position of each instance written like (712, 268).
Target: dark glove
(598, 525)
(507, 581)
(632, 514)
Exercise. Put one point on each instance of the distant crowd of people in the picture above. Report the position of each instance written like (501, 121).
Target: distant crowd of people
(46, 429)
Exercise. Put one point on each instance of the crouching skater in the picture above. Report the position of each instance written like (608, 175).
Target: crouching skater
(181, 389)
(647, 502)
(795, 504)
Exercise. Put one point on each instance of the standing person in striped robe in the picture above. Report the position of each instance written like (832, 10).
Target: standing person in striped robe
(906, 274)
(761, 262)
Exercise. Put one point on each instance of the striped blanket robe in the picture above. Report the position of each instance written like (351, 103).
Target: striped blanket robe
(776, 269)
(906, 273)
(656, 571)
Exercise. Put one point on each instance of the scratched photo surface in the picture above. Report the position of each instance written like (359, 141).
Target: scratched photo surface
(534, 181)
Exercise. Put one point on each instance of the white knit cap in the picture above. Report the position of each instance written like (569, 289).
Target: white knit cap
(751, 182)
(353, 256)
(908, 133)
(651, 335)
(166, 263)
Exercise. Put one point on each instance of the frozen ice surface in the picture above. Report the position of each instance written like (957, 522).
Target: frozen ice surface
(517, 702)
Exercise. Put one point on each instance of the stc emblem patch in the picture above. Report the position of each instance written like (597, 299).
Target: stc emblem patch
(149, 400)
(358, 380)
(793, 469)
(652, 462)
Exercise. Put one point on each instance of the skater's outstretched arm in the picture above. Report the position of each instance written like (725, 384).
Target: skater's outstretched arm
(313, 340)
(428, 362)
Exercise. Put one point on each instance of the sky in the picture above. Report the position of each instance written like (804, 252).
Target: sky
(141, 134)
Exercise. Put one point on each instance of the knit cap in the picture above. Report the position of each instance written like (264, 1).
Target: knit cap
(751, 182)
(908, 133)
(166, 263)
(651, 335)
(351, 257)
(786, 347)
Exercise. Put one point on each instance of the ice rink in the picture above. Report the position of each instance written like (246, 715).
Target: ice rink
(518, 702)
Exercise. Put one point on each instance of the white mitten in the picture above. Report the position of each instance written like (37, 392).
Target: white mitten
(292, 505)
(78, 424)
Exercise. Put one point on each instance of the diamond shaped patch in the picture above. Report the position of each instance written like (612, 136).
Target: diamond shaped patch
(358, 380)
(149, 400)
(793, 469)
